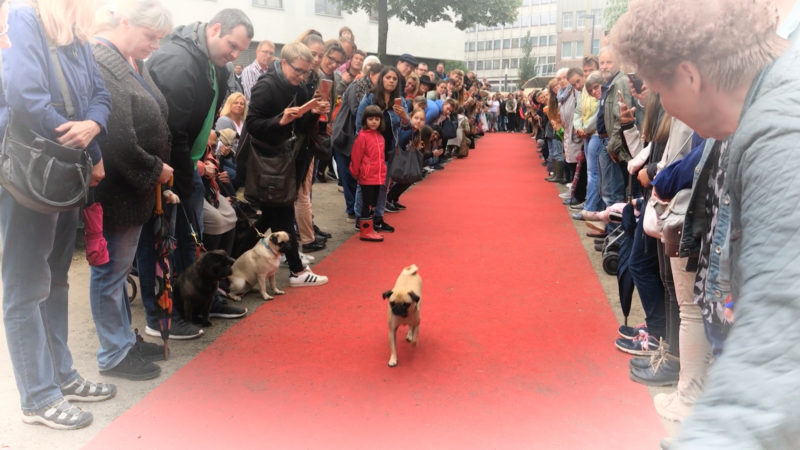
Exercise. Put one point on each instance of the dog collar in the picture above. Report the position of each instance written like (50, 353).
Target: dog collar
(264, 242)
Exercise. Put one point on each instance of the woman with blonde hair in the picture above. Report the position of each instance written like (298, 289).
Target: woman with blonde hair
(37, 247)
(233, 113)
(136, 149)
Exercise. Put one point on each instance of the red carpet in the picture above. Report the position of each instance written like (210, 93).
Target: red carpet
(515, 348)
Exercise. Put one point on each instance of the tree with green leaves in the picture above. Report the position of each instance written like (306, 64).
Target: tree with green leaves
(464, 13)
(613, 11)
(527, 64)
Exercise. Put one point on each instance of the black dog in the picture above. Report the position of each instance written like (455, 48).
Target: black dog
(195, 288)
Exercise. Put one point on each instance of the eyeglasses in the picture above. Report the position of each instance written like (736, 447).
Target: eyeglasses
(302, 73)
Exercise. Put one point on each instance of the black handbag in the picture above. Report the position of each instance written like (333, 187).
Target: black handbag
(405, 167)
(449, 129)
(270, 172)
(39, 173)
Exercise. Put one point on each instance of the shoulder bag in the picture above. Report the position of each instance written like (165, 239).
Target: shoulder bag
(405, 167)
(270, 171)
(39, 173)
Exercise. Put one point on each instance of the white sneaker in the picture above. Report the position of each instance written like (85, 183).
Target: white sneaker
(306, 278)
(568, 185)
(564, 195)
(305, 257)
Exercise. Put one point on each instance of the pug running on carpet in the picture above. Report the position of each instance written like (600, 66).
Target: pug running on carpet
(258, 265)
(404, 304)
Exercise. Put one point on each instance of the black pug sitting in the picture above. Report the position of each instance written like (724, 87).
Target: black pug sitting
(195, 288)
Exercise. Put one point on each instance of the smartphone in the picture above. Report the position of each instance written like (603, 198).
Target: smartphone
(637, 82)
(398, 102)
(325, 89)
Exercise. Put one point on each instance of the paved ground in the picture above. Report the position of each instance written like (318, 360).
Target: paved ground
(329, 215)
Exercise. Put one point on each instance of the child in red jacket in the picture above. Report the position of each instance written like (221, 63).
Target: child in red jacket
(368, 166)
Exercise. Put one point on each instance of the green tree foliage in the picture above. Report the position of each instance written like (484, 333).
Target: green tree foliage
(614, 9)
(464, 13)
(527, 64)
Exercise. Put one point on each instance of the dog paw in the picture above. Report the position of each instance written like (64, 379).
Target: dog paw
(279, 292)
(393, 362)
(235, 298)
(267, 297)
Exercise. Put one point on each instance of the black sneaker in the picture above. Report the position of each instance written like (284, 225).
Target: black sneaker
(390, 207)
(631, 332)
(225, 310)
(133, 367)
(59, 415)
(383, 226)
(180, 330)
(148, 351)
(438, 167)
(399, 206)
(641, 345)
(664, 374)
(324, 234)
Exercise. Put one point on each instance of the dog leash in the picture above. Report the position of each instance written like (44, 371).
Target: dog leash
(198, 243)
(264, 243)
(235, 204)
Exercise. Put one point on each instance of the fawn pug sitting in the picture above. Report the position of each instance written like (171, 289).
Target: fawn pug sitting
(404, 305)
(258, 265)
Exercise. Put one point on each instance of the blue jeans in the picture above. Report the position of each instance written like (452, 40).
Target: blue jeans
(647, 278)
(556, 150)
(184, 255)
(381, 206)
(108, 297)
(593, 148)
(349, 184)
(612, 183)
(37, 253)
(146, 268)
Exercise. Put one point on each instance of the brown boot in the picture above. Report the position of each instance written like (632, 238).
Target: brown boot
(367, 232)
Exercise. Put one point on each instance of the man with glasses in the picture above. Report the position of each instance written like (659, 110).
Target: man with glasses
(190, 71)
(264, 54)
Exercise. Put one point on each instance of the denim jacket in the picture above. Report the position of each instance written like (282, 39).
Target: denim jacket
(396, 121)
(695, 225)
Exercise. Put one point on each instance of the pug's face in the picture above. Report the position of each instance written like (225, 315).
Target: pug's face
(401, 302)
(216, 264)
(281, 241)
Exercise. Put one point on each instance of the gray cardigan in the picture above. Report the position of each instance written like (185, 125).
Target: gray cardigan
(135, 145)
(751, 398)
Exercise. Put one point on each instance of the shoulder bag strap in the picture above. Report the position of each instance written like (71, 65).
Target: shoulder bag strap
(62, 81)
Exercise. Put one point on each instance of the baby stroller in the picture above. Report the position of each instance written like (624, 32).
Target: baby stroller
(611, 245)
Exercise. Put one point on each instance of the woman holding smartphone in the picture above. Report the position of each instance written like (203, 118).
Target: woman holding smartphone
(387, 96)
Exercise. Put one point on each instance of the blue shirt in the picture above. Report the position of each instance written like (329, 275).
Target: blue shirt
(32, 88)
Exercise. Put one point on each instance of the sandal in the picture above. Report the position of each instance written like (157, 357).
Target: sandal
(60, 415)
(81, 390)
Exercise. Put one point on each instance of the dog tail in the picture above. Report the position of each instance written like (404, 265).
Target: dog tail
(411, 270)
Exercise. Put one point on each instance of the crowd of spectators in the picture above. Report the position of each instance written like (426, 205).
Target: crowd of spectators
(703, 118)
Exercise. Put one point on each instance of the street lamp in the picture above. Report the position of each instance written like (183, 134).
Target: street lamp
(505, 83)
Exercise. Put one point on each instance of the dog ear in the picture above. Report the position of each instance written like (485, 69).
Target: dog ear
(274, 238)
(413, 296)
(387, 294)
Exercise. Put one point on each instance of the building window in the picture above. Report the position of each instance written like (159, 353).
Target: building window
(471, 46)
(552, 40)
(579, 49)
(495, 64)
(275, 4)
(514, 63)
(479, 66)
(595, 46)
(481, 46)
(327, 8)
(566, 50)
(542, 41)
(470, 65)
(515, 43)
(580, 20)
(566, 21)
(535, 20)
(496, 44)
(506, 43)
(505, 64)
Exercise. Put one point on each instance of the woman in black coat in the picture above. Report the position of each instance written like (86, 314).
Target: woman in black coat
(275, 118)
